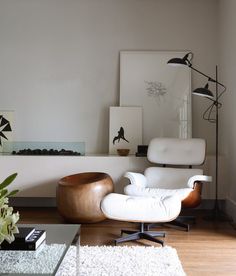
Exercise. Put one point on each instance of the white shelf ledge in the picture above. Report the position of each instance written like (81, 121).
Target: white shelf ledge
(38, 175)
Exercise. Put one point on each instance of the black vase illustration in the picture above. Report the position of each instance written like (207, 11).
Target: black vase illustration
(121, 135)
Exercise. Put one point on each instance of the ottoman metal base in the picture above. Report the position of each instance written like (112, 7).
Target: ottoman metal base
(134, 235)
(180, 222)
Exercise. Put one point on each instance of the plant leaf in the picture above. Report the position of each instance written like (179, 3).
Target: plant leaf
(12, 193)
(3, 193)
(8, 181)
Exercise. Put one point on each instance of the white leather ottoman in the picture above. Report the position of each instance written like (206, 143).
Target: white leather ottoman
(142, 210)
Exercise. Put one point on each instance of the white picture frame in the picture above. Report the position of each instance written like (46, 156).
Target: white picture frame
(162, 90)
(125, 129)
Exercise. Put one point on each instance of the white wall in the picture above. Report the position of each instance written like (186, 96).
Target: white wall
(60, 60)
(227, 39)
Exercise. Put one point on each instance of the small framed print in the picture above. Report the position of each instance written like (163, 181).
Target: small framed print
(125, 129)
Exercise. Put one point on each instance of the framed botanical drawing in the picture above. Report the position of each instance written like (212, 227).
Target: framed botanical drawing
(162, 90)
(6, 127)
(125, 130)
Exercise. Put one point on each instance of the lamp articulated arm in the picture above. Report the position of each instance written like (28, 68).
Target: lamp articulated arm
(210, 79)
(203, 91)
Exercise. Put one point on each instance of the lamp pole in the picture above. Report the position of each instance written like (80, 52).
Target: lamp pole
(207, 115)
(216, 212)
(216, 207)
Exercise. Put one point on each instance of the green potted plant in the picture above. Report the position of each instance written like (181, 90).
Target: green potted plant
(8, 219)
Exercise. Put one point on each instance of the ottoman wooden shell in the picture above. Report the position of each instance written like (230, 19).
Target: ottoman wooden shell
(79, 196)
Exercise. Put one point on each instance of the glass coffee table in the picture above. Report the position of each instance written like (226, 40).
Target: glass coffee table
(58, 255)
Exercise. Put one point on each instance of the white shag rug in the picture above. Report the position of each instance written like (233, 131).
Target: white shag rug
(123, 261)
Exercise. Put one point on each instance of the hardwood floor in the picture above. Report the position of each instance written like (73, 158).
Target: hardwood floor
(209, 248)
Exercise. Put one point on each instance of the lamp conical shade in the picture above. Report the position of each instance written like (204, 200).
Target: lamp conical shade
(203, 92)
(177, 62)
(180, 61)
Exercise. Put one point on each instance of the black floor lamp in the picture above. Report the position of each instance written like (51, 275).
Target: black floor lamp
(209, 116)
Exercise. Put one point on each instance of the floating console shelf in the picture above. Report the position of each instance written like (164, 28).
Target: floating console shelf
(38, 175)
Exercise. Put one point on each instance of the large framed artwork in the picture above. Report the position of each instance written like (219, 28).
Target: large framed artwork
(162, 90)
(125, 130)
(6, 127)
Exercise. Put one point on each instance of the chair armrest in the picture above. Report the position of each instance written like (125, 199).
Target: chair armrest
(137, 179)
(200, 177)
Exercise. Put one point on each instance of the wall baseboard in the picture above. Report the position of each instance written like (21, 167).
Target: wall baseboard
(230, 209)
(206, 204)
(32, 201)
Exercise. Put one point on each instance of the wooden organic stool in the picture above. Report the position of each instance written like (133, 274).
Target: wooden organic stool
(79, 196)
